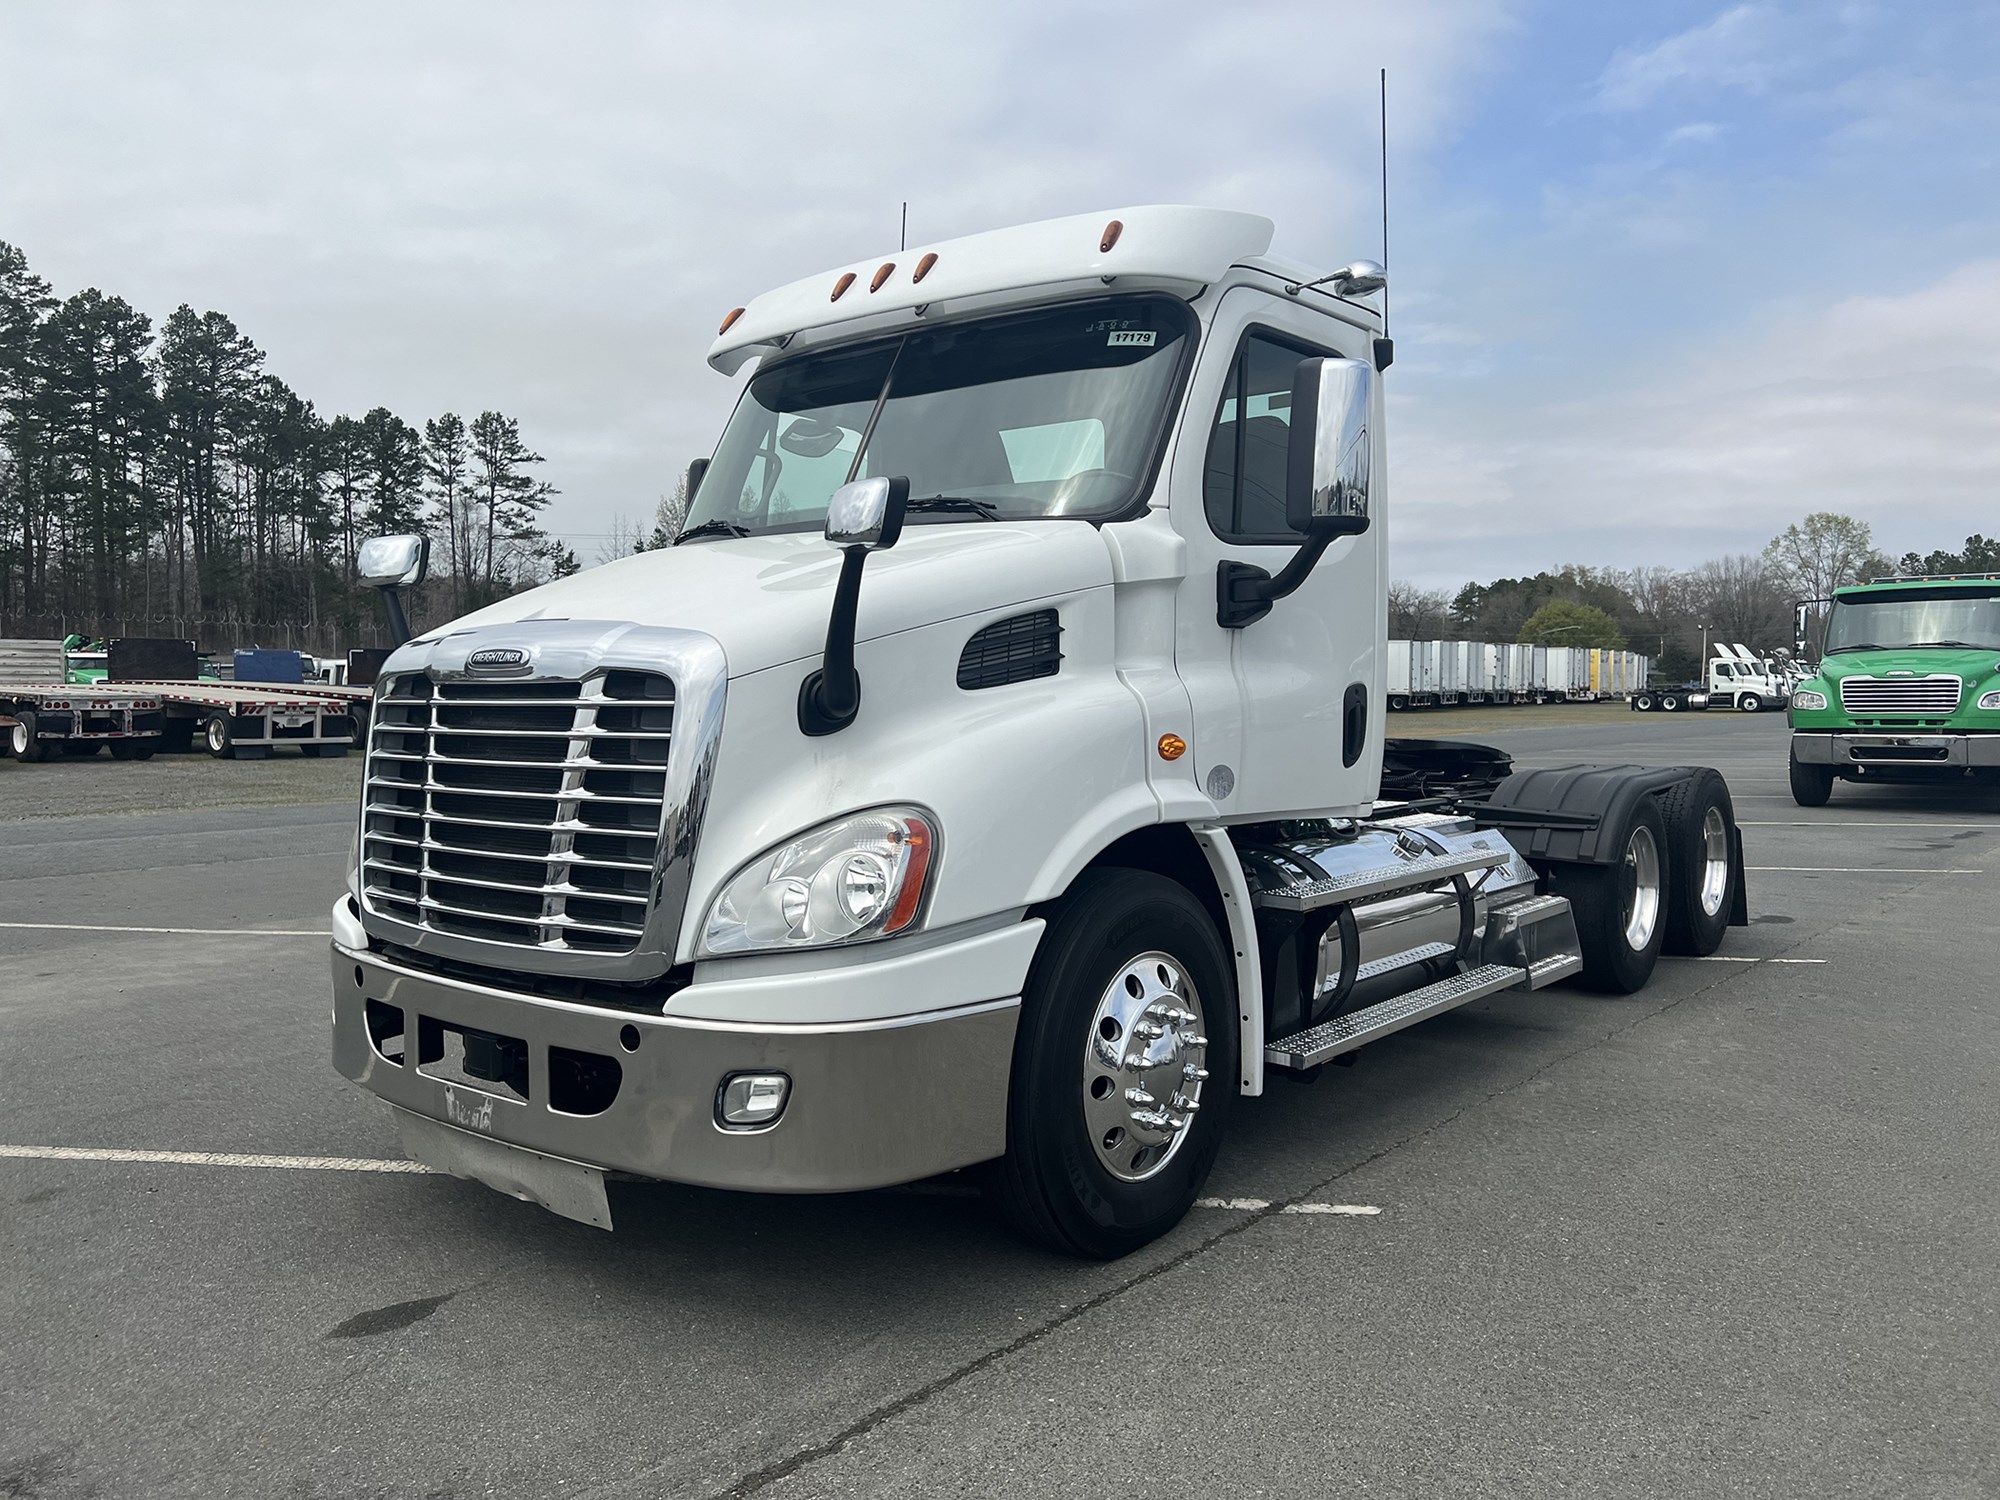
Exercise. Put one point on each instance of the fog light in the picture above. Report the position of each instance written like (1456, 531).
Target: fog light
(749, 1099)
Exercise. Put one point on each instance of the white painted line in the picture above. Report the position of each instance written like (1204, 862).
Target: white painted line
(214, 1159)
(1851, 870)
(314, 932)
(1258, 1205)
(1730, 958)
(1992, 827)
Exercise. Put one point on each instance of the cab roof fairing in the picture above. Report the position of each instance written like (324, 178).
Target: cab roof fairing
(1157, 247)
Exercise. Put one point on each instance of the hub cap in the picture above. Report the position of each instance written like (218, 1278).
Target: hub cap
(18, 738)
(1715, 861)
(1142, 1067)
(1642, 900)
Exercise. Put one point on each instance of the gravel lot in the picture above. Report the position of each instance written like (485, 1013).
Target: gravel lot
(1735, 1235)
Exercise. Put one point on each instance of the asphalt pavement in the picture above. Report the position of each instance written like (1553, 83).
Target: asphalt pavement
(1737, 1234)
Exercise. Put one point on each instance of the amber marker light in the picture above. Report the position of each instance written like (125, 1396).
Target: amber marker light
(1172, 747)
(729, 321)
(887, 270)
(1111, 233)
(924, 267)
(846, 281)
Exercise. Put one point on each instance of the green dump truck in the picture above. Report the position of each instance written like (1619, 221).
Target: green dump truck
(1908, 687)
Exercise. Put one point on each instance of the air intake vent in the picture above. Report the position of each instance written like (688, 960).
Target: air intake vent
(1016, 650)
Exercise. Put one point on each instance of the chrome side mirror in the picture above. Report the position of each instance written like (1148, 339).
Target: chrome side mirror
(388, 562)
(867, 513)
(1329, 467)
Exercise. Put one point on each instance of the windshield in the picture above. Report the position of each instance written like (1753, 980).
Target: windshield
(1058, 412)
(1919, 617)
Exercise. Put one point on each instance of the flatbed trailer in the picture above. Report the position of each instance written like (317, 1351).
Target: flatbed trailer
(41, 719)
(247, 720)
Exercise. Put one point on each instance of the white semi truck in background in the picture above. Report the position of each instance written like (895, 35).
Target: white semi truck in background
(989, 777)
(1741, 679)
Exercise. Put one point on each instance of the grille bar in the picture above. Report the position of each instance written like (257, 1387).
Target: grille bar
(1938, 694)
(552, 842)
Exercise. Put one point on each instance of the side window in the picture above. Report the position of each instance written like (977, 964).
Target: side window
(1243, 483)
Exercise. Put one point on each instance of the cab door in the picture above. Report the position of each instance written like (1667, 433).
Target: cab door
(1286, 710)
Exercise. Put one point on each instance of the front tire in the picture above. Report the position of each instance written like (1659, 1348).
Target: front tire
(1811, 785)
(1124, 1067)
(1750, 703)
(1621, 908)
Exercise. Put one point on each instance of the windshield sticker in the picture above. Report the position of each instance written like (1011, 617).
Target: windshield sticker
(1134, 338)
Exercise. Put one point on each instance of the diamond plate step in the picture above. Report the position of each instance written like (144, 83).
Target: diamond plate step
(1408, 958)
(1391, 880)
(1329, 1039)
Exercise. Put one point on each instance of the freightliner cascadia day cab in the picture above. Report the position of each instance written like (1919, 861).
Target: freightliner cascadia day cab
(988, 777)
(1908, 687)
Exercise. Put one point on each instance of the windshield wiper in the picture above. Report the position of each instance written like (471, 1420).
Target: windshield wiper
(712, 528)
(1965, 645)
(986, 510)
(1857, 646)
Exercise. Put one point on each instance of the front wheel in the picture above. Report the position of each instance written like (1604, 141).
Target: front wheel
(1124, 1067)
(1811, 785)
(1621, 908)
(1750, 703)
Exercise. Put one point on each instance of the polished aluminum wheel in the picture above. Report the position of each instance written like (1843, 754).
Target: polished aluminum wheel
(1642, 901)
(18, 739)
(1142, 1066)
(1714, 861)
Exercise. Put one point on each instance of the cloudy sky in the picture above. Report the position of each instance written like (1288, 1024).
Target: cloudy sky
(1666, 275)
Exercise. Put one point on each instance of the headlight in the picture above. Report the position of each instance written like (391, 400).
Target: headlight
(1989, 701)
(1807, 698)
(847, 881)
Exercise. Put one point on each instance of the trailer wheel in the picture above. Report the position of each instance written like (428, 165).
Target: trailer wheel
(215, 736)
(21, 738)
(1811, 785)
(1621, 908)
(1643, 703)
(1124, 1067)
(1750, 703)
(1701, 858)
(1670, 702)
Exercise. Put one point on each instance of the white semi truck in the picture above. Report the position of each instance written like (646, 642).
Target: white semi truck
(1743, 680)
(989, 777)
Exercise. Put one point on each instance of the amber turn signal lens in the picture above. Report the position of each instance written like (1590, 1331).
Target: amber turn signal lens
(1172, 747)
(1111, 233)
(846, 281)
(733, 314)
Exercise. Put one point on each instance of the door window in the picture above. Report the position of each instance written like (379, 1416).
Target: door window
(1243, 482)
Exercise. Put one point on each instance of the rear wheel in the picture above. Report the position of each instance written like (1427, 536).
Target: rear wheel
(132, 749)
(1670, 702)
(1621, 908)
(22, 741)
(1643, 703)
(216, 737)
(1701, 862)
(81, 749)
(1124, 1067)
(1811, 785)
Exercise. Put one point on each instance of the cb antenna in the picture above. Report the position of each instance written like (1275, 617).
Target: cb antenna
(1384, 87)
(903, 239)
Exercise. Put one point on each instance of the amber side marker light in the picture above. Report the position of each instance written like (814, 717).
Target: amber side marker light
(1172, 747)
(846, 281)
(1111, 233)
(887, 270)
(728, 321)
(924, 267)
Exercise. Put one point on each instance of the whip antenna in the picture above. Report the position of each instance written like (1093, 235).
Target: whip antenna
(1385, 198)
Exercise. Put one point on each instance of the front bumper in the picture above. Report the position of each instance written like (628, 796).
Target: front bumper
(872, 1103)
(1909, 752)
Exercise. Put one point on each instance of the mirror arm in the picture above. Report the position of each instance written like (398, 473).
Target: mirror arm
(399, 623)
(1244, 592)
(831, 697)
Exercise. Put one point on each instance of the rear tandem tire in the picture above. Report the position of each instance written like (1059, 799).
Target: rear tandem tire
(1643, 703)
(1614, 904)
(216, 737)
(1054, 1183)
(1670, 702)
(1811, 785)
(1701, 858)
(22, 737)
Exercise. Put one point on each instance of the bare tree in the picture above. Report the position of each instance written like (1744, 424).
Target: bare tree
(670, 517)
(1742, 599)
(1417, 614)
(623, 540)
(1822, 553)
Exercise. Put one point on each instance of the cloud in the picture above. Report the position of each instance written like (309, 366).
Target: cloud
(1882, 405)
(1742, 48)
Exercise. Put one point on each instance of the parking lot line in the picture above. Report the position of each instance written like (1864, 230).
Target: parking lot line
(1732, 958)
(312, 932)
(1852, 870)
(1259, 1205)
(1991, 824)
(214, 1159)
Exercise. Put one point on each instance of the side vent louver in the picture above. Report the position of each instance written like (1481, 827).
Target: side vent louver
(1019, 649)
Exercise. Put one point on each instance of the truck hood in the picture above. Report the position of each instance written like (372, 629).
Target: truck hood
(1974, 666)
(766, 598)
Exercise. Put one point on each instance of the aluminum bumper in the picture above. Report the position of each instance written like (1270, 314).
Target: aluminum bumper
(1914, 752)
(872, 1102)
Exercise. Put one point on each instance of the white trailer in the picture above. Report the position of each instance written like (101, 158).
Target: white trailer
(1045, 841)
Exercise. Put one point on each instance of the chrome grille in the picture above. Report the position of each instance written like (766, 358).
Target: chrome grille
(1931, 697)
(518, 812)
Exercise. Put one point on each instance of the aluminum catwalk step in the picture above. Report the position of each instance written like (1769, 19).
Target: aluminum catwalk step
(1391, 880)
(1329, 1039)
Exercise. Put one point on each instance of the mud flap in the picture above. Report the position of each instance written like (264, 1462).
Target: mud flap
(1739, 909)
(563, 1187)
